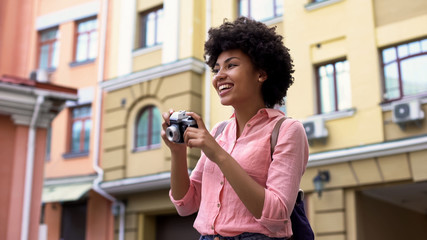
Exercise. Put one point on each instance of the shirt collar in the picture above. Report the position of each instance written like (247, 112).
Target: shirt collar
(270, 112)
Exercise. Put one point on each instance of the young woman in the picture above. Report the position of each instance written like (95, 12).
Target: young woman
(237, 189)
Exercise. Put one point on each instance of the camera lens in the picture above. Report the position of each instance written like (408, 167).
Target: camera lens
(172, 133)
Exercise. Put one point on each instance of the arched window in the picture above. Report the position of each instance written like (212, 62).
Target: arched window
(148, 127)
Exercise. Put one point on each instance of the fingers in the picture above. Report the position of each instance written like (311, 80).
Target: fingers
(166, 116)
(199, 120)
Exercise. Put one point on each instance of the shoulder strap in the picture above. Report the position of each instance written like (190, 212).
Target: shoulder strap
(220, 128)
(275, 135)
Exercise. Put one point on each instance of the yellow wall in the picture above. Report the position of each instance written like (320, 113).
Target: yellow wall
(180, 92)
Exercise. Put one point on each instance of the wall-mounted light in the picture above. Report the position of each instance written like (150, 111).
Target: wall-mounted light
(319, 181)
(123, 102)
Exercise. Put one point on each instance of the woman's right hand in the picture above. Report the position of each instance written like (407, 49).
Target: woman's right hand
(174, 147)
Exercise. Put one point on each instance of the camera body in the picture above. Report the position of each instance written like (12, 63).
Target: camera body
(179, 122)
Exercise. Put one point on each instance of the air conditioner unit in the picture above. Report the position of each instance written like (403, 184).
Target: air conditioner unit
(40, 75)
(315, 128)
(407, 111)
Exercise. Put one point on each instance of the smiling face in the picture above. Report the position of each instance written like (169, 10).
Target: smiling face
(236, 80)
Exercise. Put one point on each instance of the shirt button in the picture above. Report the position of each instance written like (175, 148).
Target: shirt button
(222, 183)
(249, 125)
(218, 205)
(212, 227)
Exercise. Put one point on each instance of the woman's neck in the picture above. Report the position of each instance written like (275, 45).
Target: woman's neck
(244, 114)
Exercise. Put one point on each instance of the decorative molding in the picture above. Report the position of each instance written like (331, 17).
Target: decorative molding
(66, 15)
(273, 21)
(18, 101)
(137, 184)
(69, 180)
(188, 64)
(368, 151)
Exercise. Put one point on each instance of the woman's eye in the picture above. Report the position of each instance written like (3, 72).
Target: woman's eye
(215, 71)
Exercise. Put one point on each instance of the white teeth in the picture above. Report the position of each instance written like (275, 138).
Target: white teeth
(222, 87)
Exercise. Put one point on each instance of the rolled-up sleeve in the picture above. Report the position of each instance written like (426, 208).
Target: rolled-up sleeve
(290, 158)
(190, 203)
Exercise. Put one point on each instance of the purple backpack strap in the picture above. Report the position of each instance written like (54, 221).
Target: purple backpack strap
(275, 135)
(220, 128)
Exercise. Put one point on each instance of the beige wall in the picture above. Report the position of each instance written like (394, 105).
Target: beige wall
(392, 11)
(378, 220)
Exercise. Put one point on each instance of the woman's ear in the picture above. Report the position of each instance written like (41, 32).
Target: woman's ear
(262, 76)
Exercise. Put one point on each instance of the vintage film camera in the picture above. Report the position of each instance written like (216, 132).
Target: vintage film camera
(179, 122)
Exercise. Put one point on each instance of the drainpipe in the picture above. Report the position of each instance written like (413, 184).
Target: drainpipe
(29, 169)
(207, 117)
(96, 167)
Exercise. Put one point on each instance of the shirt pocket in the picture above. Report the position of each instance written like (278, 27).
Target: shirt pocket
(255, 160)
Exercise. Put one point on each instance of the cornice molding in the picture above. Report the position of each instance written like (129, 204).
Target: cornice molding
(189, 64)
(368, 151)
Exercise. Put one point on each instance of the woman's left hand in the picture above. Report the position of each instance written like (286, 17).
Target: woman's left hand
(201, 138)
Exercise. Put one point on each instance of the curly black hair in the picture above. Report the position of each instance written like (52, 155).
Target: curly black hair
(263, 46)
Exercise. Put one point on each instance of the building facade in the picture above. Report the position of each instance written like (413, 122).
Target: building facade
(69, 48)
(58, 45)
(360, 90)
(359, 66)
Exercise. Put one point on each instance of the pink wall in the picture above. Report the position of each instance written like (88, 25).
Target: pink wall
(13, 157)
(52, 219)
(16, 24)
(99, 218)
(6, 159)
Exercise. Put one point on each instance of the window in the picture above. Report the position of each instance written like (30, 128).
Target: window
(86, 40)
(261, 10)
(48, 49)
(334, 90)
(405, 69)
(151, 24)
(148, 127)
(80, 129)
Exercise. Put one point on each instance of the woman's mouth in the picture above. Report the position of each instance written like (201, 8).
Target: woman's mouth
(224, 87)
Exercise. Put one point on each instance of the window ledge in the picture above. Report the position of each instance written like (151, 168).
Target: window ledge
(142, 51)
(337, 115)
(316, 5)
(146, 148)
(272, 21)
(387, 106)
(75, 155)
(75, 64)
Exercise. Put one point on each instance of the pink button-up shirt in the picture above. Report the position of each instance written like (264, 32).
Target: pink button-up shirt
(220, 209)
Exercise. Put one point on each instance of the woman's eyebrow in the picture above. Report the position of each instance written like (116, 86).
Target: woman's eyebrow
(227, 60)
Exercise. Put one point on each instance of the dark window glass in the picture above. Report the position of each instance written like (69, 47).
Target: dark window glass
(148, 127)
(151, 23)
(80, 129)
(49, 48)
(261, 10)
(405, 69)
(334, 88)
(86, 40)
